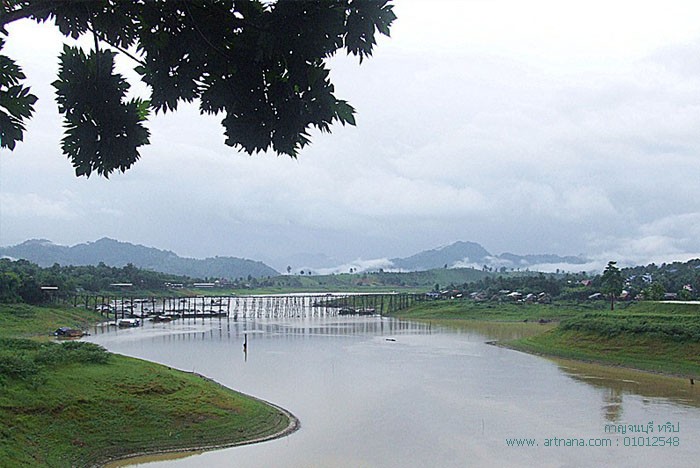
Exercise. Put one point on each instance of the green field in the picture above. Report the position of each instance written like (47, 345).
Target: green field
(649, 336)
(414, 281)
(493, 311)
(74, 404)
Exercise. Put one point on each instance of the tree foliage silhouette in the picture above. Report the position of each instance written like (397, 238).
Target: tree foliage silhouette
(262, 65)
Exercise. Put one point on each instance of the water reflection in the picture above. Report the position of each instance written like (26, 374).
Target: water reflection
(616, 384)
(245, 347)
(612, 407)
(499, 331)
(229, 328)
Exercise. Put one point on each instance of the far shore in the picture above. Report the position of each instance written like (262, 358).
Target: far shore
(641, 337)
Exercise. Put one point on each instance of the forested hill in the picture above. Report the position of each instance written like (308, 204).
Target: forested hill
(471, 254)
(118, 254)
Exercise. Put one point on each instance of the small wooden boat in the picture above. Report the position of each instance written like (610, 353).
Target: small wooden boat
(129, 322)
(162, 318)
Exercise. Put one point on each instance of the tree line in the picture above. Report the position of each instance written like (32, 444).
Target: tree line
(24, 281)
(677, 280)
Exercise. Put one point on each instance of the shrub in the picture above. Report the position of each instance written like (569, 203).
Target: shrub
(673, 327)
(72, 352)
(17, 365)
(82, 351)
(19, 344)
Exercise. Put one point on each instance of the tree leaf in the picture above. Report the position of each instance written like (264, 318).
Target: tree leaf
(102, 131)
(16, 103)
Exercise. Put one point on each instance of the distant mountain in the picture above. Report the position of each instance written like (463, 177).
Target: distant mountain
(50, 253)
(115, 253)
(471, 254)
(467, 252)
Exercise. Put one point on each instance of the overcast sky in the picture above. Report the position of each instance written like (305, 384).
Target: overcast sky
(528, 127)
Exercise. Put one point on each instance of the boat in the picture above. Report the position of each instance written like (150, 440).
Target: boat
(129, 322)
(163, 318)
(66, 332)
(351, 311)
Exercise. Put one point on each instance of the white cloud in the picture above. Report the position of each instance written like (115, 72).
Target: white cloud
(358, 266)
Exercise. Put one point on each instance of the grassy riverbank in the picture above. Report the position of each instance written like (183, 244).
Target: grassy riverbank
(75, 404)
(647, 336)
(466, 310)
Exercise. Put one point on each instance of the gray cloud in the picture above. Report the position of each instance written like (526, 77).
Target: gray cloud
(539, 138)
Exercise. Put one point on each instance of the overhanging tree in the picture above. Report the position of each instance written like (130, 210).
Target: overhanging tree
(260, 64)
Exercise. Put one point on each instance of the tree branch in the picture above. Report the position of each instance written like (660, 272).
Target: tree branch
(120, 49)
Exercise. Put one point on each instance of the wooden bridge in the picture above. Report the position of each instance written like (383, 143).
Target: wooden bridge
(249, 306)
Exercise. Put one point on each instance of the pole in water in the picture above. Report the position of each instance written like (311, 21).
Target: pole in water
(245, 346)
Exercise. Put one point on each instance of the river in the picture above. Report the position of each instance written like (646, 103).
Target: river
(379, 392)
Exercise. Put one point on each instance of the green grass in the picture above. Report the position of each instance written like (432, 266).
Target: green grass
(490, 311)
(75, 404)
(78, 414)
(679, 327)
(23, 320)
(635, 351)
(649, 336)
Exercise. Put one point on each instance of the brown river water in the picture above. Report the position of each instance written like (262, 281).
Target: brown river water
(379, 392)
